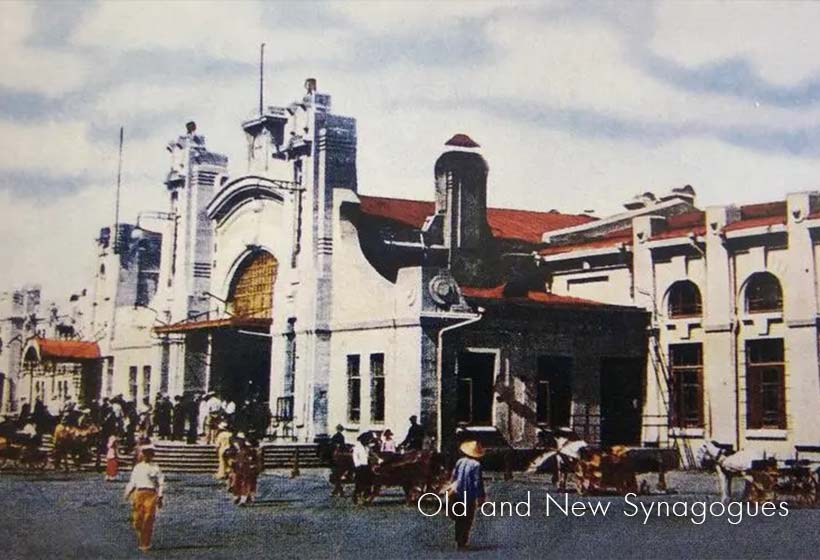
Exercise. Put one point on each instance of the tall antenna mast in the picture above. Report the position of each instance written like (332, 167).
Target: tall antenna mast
(117, 199)
(261, 77)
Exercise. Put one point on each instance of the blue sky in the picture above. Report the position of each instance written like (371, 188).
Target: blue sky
(577, 105)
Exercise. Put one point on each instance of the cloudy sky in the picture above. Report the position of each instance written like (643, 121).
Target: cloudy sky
(577, 106)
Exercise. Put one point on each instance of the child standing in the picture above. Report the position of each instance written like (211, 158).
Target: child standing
(112, 465)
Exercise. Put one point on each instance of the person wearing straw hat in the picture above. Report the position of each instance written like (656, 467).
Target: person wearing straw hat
(467, 486)
(145, 489)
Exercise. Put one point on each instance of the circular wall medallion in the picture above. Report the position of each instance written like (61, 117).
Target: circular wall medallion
(443, 290)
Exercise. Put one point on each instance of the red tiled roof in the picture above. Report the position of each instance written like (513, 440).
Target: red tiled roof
(759, 215)
(462, 141)
(684, 224)
(67, 350)
(611, 239)
(505, 223)
(763, 210)
(542, 298)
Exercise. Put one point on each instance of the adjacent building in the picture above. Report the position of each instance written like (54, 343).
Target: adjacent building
(733, 295)
(659, 326)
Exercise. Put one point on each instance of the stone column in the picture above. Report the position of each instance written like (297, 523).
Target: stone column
(800, 316)
(719, 347)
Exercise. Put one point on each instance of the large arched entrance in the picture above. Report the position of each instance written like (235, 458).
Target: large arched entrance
(240, 356)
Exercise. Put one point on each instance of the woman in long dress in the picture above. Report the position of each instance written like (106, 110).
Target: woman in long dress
(245, 469)
(112, 465)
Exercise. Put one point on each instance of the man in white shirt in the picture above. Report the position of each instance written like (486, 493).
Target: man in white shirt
(361, 468)
(204, 414)
(145, 488)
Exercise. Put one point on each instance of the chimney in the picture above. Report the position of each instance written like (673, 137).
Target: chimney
(461, 193)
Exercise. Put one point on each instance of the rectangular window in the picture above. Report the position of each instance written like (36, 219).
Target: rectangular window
(132, 382)
(290, 360)
(109, 377)
(354, 389)
(146, 381)
(765, 384)
(542, 402)
(686, 385)
(553, 391)
(377, 388)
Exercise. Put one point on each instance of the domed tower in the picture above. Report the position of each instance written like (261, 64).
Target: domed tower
(461, 194)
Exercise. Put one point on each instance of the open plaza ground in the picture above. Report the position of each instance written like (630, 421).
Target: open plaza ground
(77, 515)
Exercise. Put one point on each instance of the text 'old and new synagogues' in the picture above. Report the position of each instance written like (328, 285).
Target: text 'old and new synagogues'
(659, 326)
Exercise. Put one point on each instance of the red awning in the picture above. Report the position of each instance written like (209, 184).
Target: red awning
(214, 324)
(66, 350)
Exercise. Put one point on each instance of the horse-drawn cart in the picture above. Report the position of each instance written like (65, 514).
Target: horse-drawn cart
(796, 481)
(22, 455)
(599, 471)
(415, 472)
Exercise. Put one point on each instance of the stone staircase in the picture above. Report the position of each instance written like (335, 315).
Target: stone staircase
(201, 458)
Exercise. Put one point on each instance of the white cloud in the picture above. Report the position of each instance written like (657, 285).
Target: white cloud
(229, 31)
(405, 109)
(49, 72)
(54, 148)
(387, 17)
(780, 39)
(50, 241)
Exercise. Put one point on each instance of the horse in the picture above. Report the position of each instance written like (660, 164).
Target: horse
(416, 472)
(729, 465)
(341, 470)
(73, 442)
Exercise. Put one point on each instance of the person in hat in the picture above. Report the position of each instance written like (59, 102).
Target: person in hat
(415, 436)
(336, 456)
(467, 485)
(361, 467)
(223, 443)
(245, 469)
(337, 442)
(177, 419)
(145, 489)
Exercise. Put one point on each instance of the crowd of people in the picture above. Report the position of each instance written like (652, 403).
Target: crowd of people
(235, 431)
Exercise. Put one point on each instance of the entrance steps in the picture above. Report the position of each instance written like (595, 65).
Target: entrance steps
(180, 457)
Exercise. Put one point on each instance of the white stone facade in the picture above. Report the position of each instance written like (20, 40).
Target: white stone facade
(719, 251)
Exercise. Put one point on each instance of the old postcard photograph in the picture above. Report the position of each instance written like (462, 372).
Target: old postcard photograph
(409, 279)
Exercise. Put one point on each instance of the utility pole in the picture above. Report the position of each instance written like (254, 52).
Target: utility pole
(117, 198)
(261, 78)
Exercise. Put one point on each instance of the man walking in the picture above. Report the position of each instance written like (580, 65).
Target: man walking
(145, 489)
(467, 487)
(361, 468)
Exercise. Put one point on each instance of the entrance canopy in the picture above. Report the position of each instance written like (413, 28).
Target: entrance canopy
(45, 349)
(250, 323)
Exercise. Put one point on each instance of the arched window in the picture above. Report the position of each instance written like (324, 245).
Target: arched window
(763, 293)
(684, 300)
(251, 293)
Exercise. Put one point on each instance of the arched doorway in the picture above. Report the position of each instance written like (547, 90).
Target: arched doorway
(240, 360)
